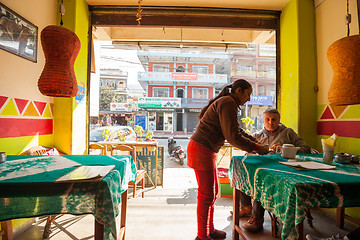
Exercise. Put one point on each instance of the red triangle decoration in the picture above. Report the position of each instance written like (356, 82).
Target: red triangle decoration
(40, 107)
(327, 114)
(21, 104)
(2, 100)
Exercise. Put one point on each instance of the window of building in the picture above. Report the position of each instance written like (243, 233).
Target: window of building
(200, 69)
(200, 93)
(261, 90)
(271, 90)
(180, 69)
(180, 93)
(161, 92)
(160, 68)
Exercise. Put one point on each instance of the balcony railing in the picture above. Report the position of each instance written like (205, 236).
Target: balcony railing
(168, 76)
(194, 102)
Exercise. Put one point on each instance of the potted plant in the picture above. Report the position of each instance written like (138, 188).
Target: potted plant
(248, 123)
(139, 131)
(109, 135)
(149, 135)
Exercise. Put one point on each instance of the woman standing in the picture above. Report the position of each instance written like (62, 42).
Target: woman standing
(218, 121)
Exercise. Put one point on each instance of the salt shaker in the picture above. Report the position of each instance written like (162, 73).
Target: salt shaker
(2, 157)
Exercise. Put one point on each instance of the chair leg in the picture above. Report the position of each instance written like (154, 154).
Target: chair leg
(134, 191)
(309, 217)
(143, 187)
(7, 231)
(47, 230)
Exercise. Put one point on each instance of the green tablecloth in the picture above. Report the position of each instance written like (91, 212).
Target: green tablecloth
(287, 192)
(27, 188)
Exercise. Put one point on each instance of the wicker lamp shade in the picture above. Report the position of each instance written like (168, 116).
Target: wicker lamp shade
(344, 57)
(61, 47)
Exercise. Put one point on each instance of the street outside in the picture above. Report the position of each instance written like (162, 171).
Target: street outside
(168, 162)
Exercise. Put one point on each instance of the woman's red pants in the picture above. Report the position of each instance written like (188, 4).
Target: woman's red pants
(207, 192)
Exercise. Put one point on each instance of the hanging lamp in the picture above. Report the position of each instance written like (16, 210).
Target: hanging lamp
(344, 57)
(61, 47)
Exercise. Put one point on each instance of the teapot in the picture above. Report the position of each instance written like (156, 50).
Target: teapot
(289, 151)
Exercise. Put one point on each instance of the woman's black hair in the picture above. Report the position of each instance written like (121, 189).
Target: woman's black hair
(239, 83)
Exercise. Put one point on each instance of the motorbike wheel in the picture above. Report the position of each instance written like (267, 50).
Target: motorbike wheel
(181, 161)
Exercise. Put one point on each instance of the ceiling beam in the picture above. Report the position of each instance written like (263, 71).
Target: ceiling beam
(185, 17)
(263, 37)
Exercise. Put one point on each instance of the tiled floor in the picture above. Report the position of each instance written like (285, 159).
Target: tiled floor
(169, 212)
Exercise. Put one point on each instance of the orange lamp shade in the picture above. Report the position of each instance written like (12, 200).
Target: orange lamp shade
(344, 57)
(61, 47)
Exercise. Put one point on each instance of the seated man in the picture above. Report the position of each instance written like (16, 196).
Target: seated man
(274, 134)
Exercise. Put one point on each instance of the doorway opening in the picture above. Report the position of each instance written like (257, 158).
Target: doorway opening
(180, 66)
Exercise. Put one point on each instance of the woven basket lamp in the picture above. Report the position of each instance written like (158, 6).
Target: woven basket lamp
(344, 57)
(61, 47)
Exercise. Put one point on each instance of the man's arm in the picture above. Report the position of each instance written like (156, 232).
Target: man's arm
(298, 142)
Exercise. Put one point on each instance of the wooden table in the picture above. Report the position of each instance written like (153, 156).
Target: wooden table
(27, 189)
(288, 193)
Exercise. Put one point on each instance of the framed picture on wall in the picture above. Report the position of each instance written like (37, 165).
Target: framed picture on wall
(17, 35)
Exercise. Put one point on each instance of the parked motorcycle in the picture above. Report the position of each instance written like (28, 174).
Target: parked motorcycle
(175, 151)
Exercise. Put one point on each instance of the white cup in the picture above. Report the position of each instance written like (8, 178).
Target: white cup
(289, 151)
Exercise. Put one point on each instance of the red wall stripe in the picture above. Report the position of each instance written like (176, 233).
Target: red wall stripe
(2, 100)
(40, 107)
(327, 114)
(15, 127)
(21, 104)
(341, 128)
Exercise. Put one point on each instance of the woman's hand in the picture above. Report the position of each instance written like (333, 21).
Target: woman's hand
(261, 150)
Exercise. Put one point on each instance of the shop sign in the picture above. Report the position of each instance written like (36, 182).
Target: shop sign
(260, 100)
(160, 110)
(120, 107)
(159, 102)
(184, 76)
(195, 110)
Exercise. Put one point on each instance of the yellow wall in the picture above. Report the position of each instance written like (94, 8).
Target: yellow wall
(297, 98)
(70, 115)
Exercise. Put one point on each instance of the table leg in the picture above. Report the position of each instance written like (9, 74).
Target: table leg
(99, 231)
(124, 197)
(99, 228)
(301, 230)
(156, 161)
(340, 212)
(236, 208)
(274, 225)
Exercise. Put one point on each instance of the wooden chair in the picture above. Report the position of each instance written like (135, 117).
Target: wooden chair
(141, 174)
(6, 230)
(103, 148)
(37, 150)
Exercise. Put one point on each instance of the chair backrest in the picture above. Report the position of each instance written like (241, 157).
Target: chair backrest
(99, 146)
(37, 150)
(124, 148)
